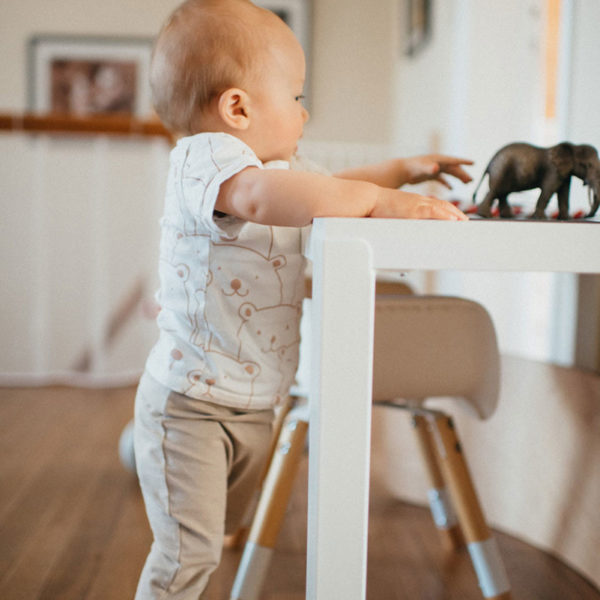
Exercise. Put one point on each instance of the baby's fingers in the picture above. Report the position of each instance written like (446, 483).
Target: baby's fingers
(443, 180)
(457, 171)
(441, 209)
(451, 160)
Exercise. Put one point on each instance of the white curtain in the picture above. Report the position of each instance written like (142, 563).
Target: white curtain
(79, 250)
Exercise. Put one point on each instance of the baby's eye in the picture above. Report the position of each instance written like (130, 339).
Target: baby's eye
(300, 97)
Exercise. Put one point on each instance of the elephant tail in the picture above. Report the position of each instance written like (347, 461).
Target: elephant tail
(478, 185)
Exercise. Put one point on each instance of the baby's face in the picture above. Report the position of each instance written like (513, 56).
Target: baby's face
(278, 115)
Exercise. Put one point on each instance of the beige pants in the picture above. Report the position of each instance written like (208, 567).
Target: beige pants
(199, 464)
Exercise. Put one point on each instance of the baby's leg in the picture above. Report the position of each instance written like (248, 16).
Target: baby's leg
(182, 466)
(250, 436)
(187, 455)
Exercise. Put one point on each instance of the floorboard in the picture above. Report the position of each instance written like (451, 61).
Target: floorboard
(72, 523)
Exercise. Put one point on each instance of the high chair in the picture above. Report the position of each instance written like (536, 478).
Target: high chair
(424, 347)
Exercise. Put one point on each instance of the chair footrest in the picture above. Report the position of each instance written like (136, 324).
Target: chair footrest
(489, 567)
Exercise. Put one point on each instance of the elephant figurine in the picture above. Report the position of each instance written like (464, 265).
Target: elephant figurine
(520, 166)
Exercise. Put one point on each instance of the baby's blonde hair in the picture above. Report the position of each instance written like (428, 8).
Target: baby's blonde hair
(205, 47)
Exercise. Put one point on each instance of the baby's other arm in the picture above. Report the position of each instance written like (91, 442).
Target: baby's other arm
(295, 198)
(397, 172)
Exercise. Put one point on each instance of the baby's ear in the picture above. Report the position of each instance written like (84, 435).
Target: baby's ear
(233, 108)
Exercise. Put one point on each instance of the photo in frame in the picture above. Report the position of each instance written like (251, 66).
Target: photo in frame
(418, 25)
(89, 75)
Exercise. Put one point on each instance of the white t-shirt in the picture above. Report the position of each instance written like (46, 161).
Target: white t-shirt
(230, 290)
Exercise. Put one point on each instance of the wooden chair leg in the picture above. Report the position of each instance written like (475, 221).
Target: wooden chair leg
(482, 546)
(271, 509)
(440, 504)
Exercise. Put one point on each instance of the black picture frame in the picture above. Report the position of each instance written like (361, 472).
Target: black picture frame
(89, 75)
(418, 25)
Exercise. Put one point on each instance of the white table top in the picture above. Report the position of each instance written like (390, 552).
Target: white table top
(476, 245)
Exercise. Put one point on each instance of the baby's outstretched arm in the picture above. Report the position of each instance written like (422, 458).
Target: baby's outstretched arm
(397, 172)
(295, 198)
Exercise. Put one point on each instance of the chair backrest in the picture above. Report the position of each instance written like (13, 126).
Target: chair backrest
(427, 347)
(436, 346)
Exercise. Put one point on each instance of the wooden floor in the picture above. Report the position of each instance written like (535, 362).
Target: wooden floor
(72, 524)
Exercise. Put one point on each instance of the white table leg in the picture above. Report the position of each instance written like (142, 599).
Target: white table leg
(340, 419)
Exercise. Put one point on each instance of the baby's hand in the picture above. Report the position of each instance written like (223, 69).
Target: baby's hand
(394, 204)
(433, 167)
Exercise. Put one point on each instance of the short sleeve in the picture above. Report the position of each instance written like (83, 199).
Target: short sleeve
(210, 160)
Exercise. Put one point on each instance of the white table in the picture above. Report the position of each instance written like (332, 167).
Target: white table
(345, 254)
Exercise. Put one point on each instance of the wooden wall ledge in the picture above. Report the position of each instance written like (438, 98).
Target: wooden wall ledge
(101, 125)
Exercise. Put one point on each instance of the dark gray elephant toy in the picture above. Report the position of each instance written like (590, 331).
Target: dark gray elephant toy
(520, 166)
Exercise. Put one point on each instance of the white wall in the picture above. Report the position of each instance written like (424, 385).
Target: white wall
(355, 51)
(477, 86)
(352, 54)
(474, 87)
(79, 227)
(583, 113)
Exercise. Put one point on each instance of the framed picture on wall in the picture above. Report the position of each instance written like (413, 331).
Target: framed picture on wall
(89, 75)
(418, 25)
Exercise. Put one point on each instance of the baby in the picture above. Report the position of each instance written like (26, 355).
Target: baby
(227, 79)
